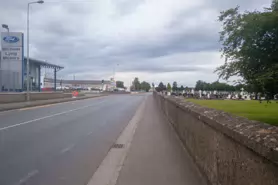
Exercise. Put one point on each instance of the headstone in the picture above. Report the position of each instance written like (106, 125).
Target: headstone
(192, 91)
(205, 93)
(248, 97)
(214, 92)
(236, 96)
(208, 95)
(229, 96)
(200, 93)
(168, 93)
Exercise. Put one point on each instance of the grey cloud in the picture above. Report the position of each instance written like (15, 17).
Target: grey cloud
(197, 40)
(161, 68)
(244, 4)
(62, 38)
(126, 6)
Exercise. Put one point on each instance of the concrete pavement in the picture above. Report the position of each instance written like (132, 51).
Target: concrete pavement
(61, 144)
(156, 156)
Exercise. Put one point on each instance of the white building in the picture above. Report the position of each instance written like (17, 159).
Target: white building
(48, 83)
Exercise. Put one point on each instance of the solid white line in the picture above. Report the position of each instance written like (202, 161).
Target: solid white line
(67, 149)
(28, 176)
(38, 119)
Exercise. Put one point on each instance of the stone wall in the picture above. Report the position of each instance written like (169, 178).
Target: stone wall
(228, 150)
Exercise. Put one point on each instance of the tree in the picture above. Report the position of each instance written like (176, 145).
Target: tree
(160, 87)
(182, 88)
(250, 42)
(175, 86)
(120, 84)
(169, 88)
(218, 86)
(136, 84)
(145, 86)
(200, 85)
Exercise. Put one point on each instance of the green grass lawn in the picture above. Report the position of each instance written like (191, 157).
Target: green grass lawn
(267, 113)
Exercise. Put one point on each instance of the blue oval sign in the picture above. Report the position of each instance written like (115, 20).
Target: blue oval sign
(11, 39)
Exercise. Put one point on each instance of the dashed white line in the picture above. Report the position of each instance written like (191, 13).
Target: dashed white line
(27, 177)
(89, 133)
(38, 119)
(67, 149)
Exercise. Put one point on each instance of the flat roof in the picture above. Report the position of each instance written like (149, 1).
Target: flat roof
(83, 82)
(41, 63)
(44, 63)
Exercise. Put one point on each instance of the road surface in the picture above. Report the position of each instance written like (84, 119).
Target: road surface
(61, 144)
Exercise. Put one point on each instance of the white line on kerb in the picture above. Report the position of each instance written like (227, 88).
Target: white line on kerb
(109, 170)
(45, 117)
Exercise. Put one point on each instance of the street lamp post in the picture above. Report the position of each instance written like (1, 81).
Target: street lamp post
(27, 70)
(5, 26)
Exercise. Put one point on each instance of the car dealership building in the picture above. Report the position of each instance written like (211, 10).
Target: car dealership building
(13, 65)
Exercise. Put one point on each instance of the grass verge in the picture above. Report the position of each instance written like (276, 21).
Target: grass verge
(253, 110)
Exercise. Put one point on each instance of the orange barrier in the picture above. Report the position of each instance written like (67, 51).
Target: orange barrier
(74, 94)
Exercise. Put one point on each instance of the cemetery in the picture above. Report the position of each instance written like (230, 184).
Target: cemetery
(237, 103)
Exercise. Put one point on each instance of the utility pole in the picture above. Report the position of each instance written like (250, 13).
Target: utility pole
(28, 58)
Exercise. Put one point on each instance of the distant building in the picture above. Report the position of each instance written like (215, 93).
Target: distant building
(77, 84)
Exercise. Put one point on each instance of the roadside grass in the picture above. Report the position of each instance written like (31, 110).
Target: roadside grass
(253, 110)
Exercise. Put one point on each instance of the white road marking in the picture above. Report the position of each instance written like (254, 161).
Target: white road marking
(109, 170)
(89, 133)
(45, 117)
(67, 149)
(27, 177)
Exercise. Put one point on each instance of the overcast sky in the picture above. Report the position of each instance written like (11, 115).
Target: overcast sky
(155, 40)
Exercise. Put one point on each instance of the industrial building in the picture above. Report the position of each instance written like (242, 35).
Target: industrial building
(49, 83)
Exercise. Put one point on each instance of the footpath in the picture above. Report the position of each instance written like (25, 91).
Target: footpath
(156, 155)
(20, 105)
(152, 154)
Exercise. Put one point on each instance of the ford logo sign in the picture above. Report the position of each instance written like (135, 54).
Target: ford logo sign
(11, 39)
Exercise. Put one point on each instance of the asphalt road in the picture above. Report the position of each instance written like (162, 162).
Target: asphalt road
(61, 144)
